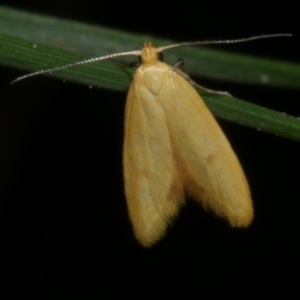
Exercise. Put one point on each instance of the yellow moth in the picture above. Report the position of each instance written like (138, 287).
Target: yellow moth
(173, 146)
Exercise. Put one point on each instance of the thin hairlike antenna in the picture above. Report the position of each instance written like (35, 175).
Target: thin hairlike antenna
(138, 52)
(83, 62)
(252, 38)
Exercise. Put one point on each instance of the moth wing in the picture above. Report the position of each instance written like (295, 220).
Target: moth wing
(153, 189)
(213, 174)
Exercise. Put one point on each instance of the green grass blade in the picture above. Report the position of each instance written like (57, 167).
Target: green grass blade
(251, 115)
(27, 42)
(26, 55)
(91, 40)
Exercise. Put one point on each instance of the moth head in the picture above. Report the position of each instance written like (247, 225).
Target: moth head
(150, 54)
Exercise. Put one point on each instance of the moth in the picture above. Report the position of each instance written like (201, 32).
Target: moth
(174, 147)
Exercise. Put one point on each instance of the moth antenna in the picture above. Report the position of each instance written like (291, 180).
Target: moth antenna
(83, 62)
(138, 52)
(242, 40)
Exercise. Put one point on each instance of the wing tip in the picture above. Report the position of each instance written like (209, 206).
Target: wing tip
(149, 233)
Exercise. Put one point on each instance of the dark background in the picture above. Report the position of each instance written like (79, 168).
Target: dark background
(64, 223)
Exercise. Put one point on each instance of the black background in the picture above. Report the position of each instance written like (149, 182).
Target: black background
(64, 223)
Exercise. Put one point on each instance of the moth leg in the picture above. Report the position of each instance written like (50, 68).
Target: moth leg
(125, 65)
(132, 64)
(179, 68)
(180, 65)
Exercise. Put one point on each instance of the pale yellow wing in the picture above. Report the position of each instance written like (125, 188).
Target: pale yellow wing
(213, 174)
(153, 189)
